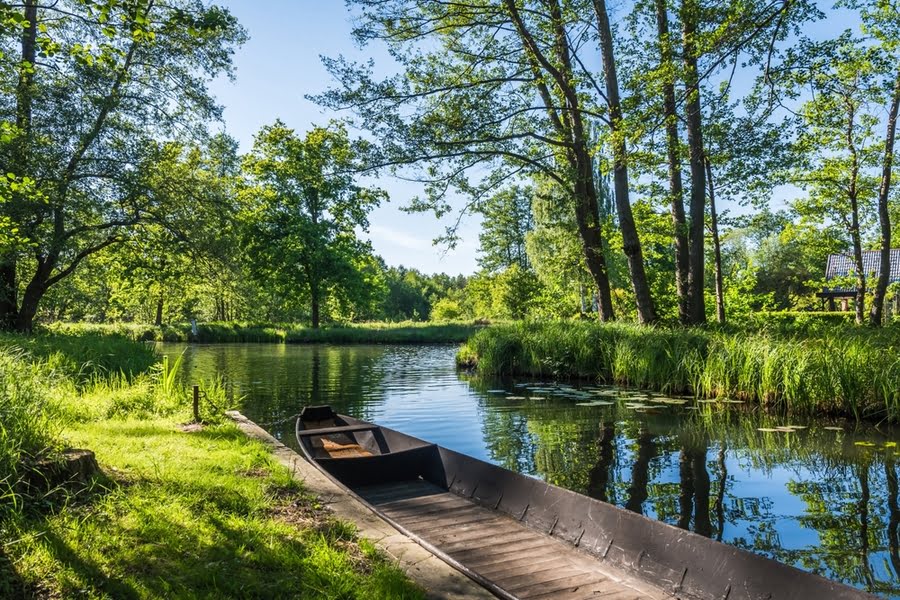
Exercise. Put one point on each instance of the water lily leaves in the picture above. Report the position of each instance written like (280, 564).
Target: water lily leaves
(595, 403)
(834, 428)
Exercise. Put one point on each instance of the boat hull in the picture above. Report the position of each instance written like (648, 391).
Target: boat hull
(658, 559)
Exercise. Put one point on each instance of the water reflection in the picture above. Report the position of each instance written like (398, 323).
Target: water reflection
(821, 499)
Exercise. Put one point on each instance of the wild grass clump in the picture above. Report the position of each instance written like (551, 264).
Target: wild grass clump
(30, 427)
(85, 355)
(839, 370)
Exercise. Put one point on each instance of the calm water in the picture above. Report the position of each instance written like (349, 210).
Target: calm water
(822, 496)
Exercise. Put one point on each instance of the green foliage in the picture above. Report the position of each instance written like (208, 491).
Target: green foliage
(301, 211)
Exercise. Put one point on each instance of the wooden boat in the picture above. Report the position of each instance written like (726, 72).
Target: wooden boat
(523, 538)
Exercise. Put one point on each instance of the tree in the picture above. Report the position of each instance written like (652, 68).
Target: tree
(507, 220)
(486, 95)
(302, 211)
(95, 83)
(837, 143)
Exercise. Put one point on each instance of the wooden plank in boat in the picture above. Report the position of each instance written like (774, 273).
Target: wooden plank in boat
(436, 509)
(335, 430)
(558, 585)
(479, 538)
(477, 556)
(397, 491)
(429, 524)
(520, 565)
(395, 501)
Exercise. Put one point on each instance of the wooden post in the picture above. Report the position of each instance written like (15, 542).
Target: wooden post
(196, 389)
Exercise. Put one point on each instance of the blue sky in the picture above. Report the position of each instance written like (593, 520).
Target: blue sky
(280, 64)
(277, 66)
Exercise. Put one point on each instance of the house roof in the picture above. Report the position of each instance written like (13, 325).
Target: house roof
(842, 265)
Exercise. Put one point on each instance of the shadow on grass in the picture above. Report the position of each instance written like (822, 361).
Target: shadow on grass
(11, 584)
(86, 570)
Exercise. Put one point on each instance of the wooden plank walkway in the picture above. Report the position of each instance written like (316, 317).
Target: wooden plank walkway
(523, 562)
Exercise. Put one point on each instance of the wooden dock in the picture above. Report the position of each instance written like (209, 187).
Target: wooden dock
(519, 561)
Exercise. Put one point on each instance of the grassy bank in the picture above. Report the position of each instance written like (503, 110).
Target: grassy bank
(835, 370)
(173, 514)
(408, 332)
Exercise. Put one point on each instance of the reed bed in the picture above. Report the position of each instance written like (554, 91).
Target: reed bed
(838, 370)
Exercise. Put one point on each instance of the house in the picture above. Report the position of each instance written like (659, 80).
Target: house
(842, 266)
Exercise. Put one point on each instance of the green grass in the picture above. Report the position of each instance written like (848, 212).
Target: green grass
(206, 514)
(838, 370)
(407, 332)
(195, 515)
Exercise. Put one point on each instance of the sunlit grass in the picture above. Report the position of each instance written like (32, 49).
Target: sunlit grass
(205, 514)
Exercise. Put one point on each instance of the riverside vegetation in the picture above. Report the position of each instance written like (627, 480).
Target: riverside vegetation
(405, 332)
(811, 367)
(172, 514)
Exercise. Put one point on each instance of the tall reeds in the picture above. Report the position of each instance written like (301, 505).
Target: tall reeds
(835, 370)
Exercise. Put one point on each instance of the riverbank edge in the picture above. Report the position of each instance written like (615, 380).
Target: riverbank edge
(440, 580)
(410, 332)
(845, 372)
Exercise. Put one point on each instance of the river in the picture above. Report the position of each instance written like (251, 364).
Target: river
(820, 495)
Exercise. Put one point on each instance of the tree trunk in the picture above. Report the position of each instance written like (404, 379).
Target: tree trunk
(159, 310)
(35, 290)
(570, 127)
(9, 285)
(673, 156)
(689, 10)
(630, 240)
(860, 269)
(717, 249)
(884, 218)
(314, 303)
(587, 217)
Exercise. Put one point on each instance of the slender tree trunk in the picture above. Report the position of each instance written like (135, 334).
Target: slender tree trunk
(314, 303)
(159, 310)
(876, 317)
(9, 284)
(630, 240)
(717, 248)
(587, 218)
(673, 156)
(569, 126)
(35, 290)
(689, 10)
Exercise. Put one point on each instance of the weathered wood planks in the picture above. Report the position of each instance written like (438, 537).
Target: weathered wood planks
(524, 563)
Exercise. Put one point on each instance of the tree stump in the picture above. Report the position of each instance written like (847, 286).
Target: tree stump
(72, 469)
